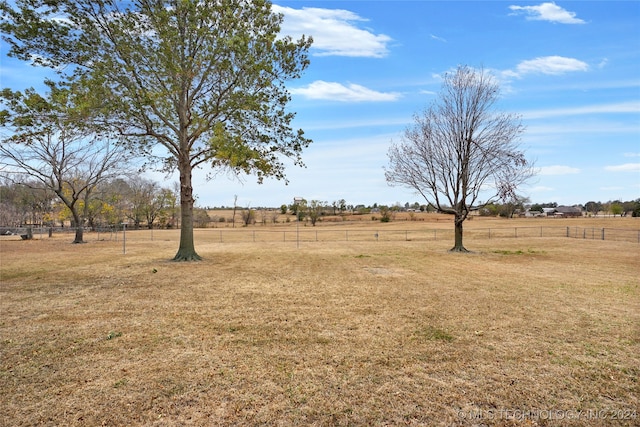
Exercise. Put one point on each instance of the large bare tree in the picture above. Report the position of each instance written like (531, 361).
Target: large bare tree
(461, 149)
(193, 83)
(49, 145)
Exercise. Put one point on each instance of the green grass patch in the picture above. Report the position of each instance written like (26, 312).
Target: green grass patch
(432, 333)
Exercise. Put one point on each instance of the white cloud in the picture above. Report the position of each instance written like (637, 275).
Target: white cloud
(627, 167)
(440, 39)
(552, 65)
(547, 12)
(632, 154)
(338, 92)
(557, 170)
(334, 32)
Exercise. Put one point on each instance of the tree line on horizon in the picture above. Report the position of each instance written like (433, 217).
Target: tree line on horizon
(136, 201)
(143, 203)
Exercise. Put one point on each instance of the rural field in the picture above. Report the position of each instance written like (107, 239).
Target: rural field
(538, 330)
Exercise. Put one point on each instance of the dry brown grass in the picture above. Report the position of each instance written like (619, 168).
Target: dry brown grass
(350, 333)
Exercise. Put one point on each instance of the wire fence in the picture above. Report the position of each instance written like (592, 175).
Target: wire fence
(307, 234)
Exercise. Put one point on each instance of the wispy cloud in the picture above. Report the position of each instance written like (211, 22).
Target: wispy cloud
(632, 154)
(551, 65)
(338, 92)
(334, 31)
(541, 189)
(557, 170)
(440, 39)
(627, 167)
(611, 188)
(548, 11)
(373, 122)
(617, 108)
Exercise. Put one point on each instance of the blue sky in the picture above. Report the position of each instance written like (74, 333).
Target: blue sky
(571, 69)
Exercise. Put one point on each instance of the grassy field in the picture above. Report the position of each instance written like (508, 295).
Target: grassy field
(528, 331)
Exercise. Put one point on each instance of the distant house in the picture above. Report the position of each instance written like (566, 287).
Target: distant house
(557, 212)
(532, 214)
(568, 211)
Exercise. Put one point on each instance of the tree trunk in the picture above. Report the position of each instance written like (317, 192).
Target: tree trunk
(186, 251)
(79, 234)
(77, 220)
(79, 228)
(78, 223)
(458, 246)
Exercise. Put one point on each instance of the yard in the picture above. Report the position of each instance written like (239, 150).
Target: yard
(527, 331)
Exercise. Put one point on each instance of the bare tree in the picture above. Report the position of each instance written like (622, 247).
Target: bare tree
(460, 148)
(263, 216)
(53, 149)
(235, 206)
(69, 168)
(140, 197)
(274, 214)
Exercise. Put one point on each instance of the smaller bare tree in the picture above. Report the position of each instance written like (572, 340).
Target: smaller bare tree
(274, 214)
(460, 149)
(264, 213)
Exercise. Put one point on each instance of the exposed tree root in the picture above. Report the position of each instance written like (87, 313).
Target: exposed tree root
(187, 256)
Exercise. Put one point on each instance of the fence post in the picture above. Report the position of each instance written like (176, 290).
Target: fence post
(124, 238)
(568, 232)
(603, 234)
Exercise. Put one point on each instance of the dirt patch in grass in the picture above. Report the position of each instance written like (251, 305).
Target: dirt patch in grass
(357, 333)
